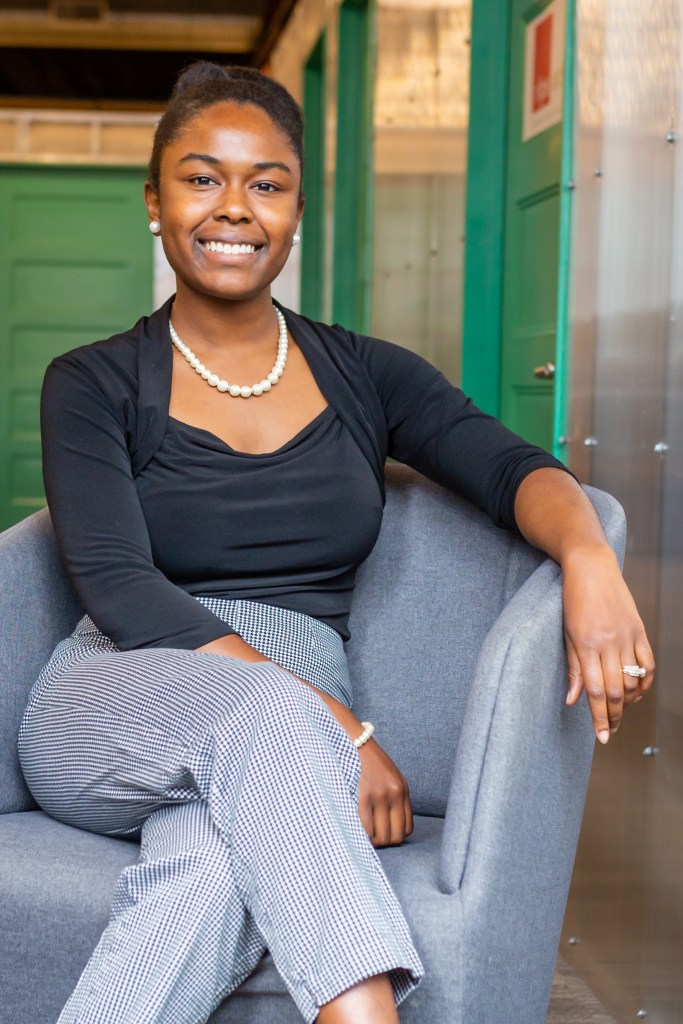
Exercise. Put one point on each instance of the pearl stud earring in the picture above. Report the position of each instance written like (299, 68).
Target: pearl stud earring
(296, 238)
(154, 227)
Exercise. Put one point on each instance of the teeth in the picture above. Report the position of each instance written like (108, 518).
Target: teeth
(230, 250)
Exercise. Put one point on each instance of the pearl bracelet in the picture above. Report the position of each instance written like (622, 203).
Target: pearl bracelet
(368, 729)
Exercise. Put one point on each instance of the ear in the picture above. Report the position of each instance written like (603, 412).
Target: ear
(152, 201)
(300, 208)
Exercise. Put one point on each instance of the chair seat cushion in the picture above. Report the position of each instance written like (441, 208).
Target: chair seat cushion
(57, 883)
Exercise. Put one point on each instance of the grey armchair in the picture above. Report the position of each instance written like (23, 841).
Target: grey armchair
(457, 657)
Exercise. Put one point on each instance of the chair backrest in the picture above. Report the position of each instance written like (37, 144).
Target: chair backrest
(437, 579)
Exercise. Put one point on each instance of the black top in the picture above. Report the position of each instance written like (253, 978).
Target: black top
(286, 528)
(105, 423)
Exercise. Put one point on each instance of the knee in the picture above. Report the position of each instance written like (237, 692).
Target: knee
(276, 711)
(279, 696)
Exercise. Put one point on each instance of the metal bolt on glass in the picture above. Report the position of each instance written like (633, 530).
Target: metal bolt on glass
(650, 751)
(661, 448)
(574, 940)
(671, 136)
(641, 1013)
(590, 442)
(598, 172)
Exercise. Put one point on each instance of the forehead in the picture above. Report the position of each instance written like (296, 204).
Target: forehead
(228, 125)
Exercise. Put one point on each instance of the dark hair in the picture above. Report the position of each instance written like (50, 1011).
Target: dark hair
(203, 83)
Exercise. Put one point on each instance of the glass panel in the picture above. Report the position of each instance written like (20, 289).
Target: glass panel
(663, 939)
(625, 915)
(421, 114)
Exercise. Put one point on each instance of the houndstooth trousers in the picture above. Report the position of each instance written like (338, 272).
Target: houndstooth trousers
(243, 788)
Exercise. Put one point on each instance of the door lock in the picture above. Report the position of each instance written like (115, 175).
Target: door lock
(546, 372)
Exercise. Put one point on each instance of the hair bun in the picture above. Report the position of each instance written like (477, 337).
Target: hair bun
(201, 72)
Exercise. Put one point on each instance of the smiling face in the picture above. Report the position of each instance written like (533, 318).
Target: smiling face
(228, 202)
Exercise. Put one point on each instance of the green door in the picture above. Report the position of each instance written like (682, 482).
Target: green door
(313, 224)
(76, 265)
(532, 220)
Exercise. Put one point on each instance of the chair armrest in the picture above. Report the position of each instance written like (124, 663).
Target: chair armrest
(37, 609)
(515, 807)
(517, 795)
(521, 750)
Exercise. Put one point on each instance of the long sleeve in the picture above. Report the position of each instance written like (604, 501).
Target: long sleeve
(97, 517)
(435, 428)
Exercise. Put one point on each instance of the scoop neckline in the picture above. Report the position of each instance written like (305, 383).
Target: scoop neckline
(218, 441)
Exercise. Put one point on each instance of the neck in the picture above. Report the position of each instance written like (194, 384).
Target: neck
(221, 323)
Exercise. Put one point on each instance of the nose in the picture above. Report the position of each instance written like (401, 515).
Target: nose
(233, 205)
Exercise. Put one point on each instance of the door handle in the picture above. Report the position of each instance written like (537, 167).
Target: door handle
(546, 372)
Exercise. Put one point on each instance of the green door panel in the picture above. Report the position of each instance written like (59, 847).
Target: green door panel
(313, 224)
(353, 200)
(76, 265)
(485, 204)
(531, 253)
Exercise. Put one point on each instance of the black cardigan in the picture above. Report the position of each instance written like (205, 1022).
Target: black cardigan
(104, 412)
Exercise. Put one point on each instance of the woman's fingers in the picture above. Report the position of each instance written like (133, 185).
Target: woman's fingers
(593, 681)
(615, 687)
(646, 659)
(390, 817)
(408, 812)
(608, 688)
(383, 799)
(397, 814)
(575, 677)
(632, 684)
(389, 823)
(381, 825)
(366, 816)
(603, 633)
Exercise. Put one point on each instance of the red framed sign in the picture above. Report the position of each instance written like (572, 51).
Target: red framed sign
(544, 70)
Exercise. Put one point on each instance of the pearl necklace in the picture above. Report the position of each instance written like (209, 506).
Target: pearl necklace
(234, 389)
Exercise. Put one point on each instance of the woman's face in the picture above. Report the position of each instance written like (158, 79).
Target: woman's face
(229, 201)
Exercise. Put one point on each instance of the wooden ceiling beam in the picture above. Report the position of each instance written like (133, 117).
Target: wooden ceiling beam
(275, 16)
(220, 34)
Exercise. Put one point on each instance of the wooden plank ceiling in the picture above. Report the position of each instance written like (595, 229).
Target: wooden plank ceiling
(124, 52)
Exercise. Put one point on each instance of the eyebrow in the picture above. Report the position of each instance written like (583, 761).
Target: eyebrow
(264, 165)
(204, 157)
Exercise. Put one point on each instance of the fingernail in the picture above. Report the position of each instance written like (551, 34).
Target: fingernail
(569, 696)
(603, 735)
(636, 699)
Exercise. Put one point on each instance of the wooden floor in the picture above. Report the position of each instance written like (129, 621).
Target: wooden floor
(572, 1002)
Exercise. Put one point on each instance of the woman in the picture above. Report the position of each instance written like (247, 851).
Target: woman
(212, 529)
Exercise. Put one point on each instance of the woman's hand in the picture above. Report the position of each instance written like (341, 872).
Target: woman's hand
(602, 628)
(233, 646)
(383, 798)
(603, 632)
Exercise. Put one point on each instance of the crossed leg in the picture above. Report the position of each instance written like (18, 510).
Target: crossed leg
(246, 790)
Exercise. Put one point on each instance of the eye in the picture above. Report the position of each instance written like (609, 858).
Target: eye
(201, 179)
(266, 186)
